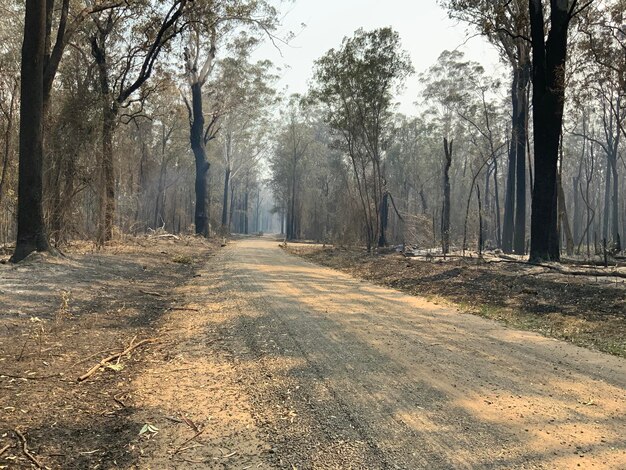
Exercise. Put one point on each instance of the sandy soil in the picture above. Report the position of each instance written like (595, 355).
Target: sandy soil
(344, 374)
(586, 310)
(264, 360)
(61, 316)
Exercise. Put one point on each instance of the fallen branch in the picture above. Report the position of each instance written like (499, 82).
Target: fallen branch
(185, 309)
(166, 235)
(88, 357)
(25, 449)
(590, 273)
(112, 357)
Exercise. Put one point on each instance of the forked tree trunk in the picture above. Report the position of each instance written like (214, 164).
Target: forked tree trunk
(549, 58)
(31, 231)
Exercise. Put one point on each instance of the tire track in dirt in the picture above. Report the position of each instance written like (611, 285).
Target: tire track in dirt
(366, 377)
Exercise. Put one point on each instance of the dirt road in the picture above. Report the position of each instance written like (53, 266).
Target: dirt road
(344, 374)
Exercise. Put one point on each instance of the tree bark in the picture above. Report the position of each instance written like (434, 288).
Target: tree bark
(384, 218)
(196, 138)
(8, 131)
(445, 213)
(521, 120)
(225, 226)
(109, 119)
(509, 199)
(549, 58)
(31, 231)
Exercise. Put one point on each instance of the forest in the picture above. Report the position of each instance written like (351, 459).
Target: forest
(402, 264)
(126, 118)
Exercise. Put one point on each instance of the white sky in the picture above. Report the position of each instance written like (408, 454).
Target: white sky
(423, 26)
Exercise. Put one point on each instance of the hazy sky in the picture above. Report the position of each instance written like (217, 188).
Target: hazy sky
(424, 28)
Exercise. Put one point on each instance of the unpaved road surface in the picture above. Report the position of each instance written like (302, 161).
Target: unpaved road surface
(344, 374)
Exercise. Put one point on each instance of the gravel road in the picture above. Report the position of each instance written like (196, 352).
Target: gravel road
(344, 374)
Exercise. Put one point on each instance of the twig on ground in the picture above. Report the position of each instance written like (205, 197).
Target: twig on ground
(89, 357)
(185, 308)
(25, 449)
(174, 419)
(156, 294)
(191, 424)
(119, 402)
(180, 447)
(112, 357)
(19, 358)
(26, 377)
(5, 448)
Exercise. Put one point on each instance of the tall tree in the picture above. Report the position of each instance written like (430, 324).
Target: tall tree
(122, 75)
(31, 231)
(548, 84)
(200, 133)
(212, 26)
(506, 24)
(356, 84)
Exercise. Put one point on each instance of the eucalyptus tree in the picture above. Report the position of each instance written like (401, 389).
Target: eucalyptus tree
(10, 25)
(602, 48)
(126, 43)
(31, 231)
(39, 63)
(289, 162)
(507, 26)
(213, 28)
(356, 84)
(245, 93)
(549, 58)
(454, 93)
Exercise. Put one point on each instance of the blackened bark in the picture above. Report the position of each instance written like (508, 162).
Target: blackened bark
(31, 231)
(509, 198)
(520, 123)
(196, 138)
(384, 218)
(445, 213)
(549, 58)
(497, 203)
(564, 219)
(108, 175)
(225, 226)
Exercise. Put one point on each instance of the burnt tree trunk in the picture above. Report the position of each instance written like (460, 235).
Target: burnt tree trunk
(521, 133)
(109, 117)
(384, 219)
(196, 138)
(108, 173)
(445, 213)
(31, 231)
(549, 58)
(225, 200)
(509, 198)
